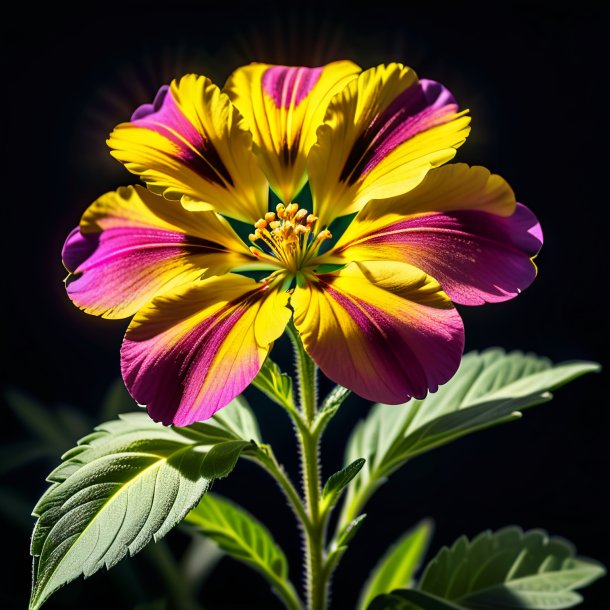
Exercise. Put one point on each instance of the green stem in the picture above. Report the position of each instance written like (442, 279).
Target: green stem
(307, 376)
(309, 442)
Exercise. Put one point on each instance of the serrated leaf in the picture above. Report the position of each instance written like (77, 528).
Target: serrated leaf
(129, 481)
(396, 569)
(336, 482)
(509, 569)
(275, 384)
(240, 535)
(489, 388)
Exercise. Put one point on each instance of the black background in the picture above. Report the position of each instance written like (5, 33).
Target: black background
(535, 79)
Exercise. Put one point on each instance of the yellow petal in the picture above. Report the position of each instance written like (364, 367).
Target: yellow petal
(284, 106)
(132, 245)
(381, 135)
(382, 329)
(194, 146)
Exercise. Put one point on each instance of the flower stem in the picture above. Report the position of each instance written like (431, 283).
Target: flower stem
(309, 443)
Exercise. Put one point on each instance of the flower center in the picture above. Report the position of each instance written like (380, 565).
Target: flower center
(287, 237)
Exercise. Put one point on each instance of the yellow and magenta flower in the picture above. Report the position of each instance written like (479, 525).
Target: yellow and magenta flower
(374, 310)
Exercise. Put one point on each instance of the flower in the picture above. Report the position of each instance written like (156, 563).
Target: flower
(374, 310)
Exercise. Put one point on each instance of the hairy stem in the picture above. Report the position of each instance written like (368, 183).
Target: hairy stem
(309, 443)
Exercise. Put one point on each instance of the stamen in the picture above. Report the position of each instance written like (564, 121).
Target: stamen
(289, 234)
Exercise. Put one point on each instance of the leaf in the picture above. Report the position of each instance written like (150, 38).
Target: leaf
(336, 482)
(129, 481)
(116, 401)
(275, 384)
(397, 567)
(338, 548)
(238, 419)
(240, 535)
(407, 599)
(488, 389)
(221, 459)
(350, 530)
(509, 569)
(38, 419)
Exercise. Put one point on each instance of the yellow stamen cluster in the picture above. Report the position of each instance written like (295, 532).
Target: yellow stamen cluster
(287, 234)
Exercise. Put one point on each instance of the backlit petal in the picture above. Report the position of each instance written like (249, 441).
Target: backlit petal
(381, 135)
(461, 225)
(189, 353)
(284, 106)
(133, 244)
(384, 330)
(192, 144)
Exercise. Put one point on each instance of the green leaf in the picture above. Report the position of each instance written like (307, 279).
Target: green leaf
(240, 535)
(221, 459)
(116, 401)
(509, 569)
(336, 482)
(129, 481)
(397, 568)
(350, 530)
(338, 548)
(275, 384)
(238, 419)
(39, 420)
(488, 389)
(407, 599)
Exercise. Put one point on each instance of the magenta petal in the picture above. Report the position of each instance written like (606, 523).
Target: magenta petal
(78, 248)
(477, 257)
(189, 353)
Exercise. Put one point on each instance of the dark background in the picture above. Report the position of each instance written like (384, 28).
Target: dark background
(536, 81)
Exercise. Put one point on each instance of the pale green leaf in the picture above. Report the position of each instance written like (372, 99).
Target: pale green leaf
(509, 569)
(397, 567)
(129, 481)
(238, 419)
(336, 482)
(275, 384)
(241, 536)
(489, 388)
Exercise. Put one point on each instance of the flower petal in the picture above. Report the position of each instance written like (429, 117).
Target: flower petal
(384, 330)
(381, 135)
(132, 245)
(284, 106)
(461, 225)
(192, 144)
(189, 353)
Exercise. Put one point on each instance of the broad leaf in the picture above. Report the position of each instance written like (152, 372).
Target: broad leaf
(275, 384)
(397, 568)
(489, 388)
(238, 534)
(128, 482)
(505, 570)
(336, 482)
(509, 569)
